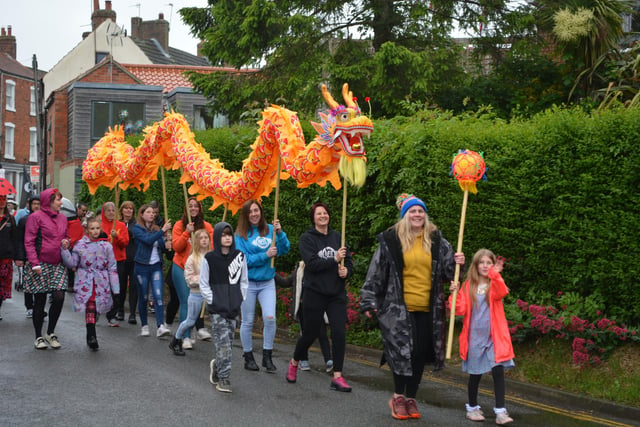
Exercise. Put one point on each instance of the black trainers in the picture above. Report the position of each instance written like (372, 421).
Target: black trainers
(92, 342)
(176, 346)
(213, 372)
(267, 363)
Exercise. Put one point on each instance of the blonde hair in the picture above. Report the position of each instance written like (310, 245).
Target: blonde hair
(198, 252)
(407, 238)
(473, 276)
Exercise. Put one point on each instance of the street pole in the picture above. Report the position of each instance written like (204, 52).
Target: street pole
(39, 140)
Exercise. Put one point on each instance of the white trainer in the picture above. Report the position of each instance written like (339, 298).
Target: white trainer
(204, 335)
(187, 344)
(145, 331)
(163, 331)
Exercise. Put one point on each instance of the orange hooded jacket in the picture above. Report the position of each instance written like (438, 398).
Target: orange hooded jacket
(500, 335)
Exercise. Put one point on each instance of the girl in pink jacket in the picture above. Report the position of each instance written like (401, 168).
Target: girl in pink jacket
(485, 342)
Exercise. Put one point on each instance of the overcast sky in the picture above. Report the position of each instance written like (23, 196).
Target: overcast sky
(51, 28)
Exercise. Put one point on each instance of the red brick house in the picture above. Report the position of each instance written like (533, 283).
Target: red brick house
(19, 149)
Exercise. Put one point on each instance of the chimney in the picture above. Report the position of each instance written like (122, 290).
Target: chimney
(147, 30)
(100, 15)
(8, 42)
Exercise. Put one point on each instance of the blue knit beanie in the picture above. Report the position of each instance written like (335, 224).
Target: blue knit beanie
(406, 201)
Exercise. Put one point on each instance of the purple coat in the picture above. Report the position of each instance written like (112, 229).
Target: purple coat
(53, 228)
(96, 265)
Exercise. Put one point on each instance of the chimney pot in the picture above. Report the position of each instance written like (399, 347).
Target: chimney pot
(107, 4)
(4, 33)
(9, 29)
(161, 15)
(96, 5)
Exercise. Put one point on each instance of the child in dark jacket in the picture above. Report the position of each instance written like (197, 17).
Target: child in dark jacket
(223, 285)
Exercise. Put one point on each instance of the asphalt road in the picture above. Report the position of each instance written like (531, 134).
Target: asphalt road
(137, 381)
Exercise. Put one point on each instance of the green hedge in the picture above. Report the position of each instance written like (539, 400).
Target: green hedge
(561, 200)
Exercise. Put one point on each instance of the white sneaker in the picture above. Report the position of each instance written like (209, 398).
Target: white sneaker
(187, 344)
(145, 331)
(52, 340)
(304, 365)
(204, 335)
(503, 418)
(29, 314)
(163, 331)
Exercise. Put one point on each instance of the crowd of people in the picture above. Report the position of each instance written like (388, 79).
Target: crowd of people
(100, 257)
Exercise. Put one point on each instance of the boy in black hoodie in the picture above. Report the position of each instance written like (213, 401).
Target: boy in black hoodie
(223, 285)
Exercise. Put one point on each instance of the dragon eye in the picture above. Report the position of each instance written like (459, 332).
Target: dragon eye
(343, 117)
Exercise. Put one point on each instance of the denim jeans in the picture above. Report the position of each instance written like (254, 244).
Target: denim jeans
(149, 275)
(180, 284)
(193, 312)
(265, 294)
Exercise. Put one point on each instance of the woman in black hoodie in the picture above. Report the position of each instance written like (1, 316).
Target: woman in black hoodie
(324, 291)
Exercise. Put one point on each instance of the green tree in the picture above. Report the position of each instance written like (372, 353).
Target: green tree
(284, 49)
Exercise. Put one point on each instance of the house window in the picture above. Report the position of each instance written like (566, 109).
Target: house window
(11, 95)
(33, 145)
(9, 140)
(105, 114)
(100, 56)
(32, 108)
(204, 119)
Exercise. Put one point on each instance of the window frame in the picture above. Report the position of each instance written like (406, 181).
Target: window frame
(9, 142)
(10, 106)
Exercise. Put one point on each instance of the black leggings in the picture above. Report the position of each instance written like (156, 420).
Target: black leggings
(39, 301)
(498, 386)
(314, 305)
(422, 334)
(323, 339)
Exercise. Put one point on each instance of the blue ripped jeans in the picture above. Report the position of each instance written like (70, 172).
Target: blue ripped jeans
(265, 294)
(149, 275)
(193, 312)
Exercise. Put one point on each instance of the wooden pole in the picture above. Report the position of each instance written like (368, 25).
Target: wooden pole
(275, 208)
(343, 239)
(456, 277)
(164, 194)
(224, 214)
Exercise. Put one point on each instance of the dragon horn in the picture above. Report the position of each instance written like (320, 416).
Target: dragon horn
(348, 96)
(327, 97)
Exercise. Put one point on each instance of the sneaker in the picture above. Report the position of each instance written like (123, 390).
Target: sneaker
(304, 365)
(328, 367)
(163, 331)
(398, 408)
(152, 307)
(41, 344)
(113, 323)
(132, 319)
(223, 385)
(204, 335)
(213, 372)
(339, 384)
(503, 418)
(412, 408)
(53, 341)
(475, 413)
(145, 331)
(29, 314)
(176, 346)
(292, 372)
(120, 315)
(187, 344)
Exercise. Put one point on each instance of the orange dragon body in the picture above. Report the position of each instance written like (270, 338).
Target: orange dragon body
(170, 143)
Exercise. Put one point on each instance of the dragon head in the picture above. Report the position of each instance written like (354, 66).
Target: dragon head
(344, 124)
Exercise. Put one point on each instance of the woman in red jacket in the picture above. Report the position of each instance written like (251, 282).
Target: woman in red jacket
(485, 342)
(118, 236)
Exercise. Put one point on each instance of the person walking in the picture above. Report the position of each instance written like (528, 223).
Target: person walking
(223, 282)
(150, 244)
(192, 221)
(327, 266)
(404, 288)
(33, 205)
(44, 272)
(127, 278)
(485, 341)
(254, 237)
(201, 245)
(96, 278)
(8, 243)
(118, 236)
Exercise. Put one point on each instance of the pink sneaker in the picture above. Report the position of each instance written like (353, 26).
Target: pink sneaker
(292, 372)
(339, 384)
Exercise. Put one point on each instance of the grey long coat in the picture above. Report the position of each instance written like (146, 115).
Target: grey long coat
(383, 290)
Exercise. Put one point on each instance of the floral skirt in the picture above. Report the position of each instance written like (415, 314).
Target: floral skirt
(6, 278)
(53, 278)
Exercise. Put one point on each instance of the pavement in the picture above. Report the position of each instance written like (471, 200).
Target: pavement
(137, 381)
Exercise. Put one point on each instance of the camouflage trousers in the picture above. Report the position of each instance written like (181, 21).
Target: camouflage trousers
(223, 330)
